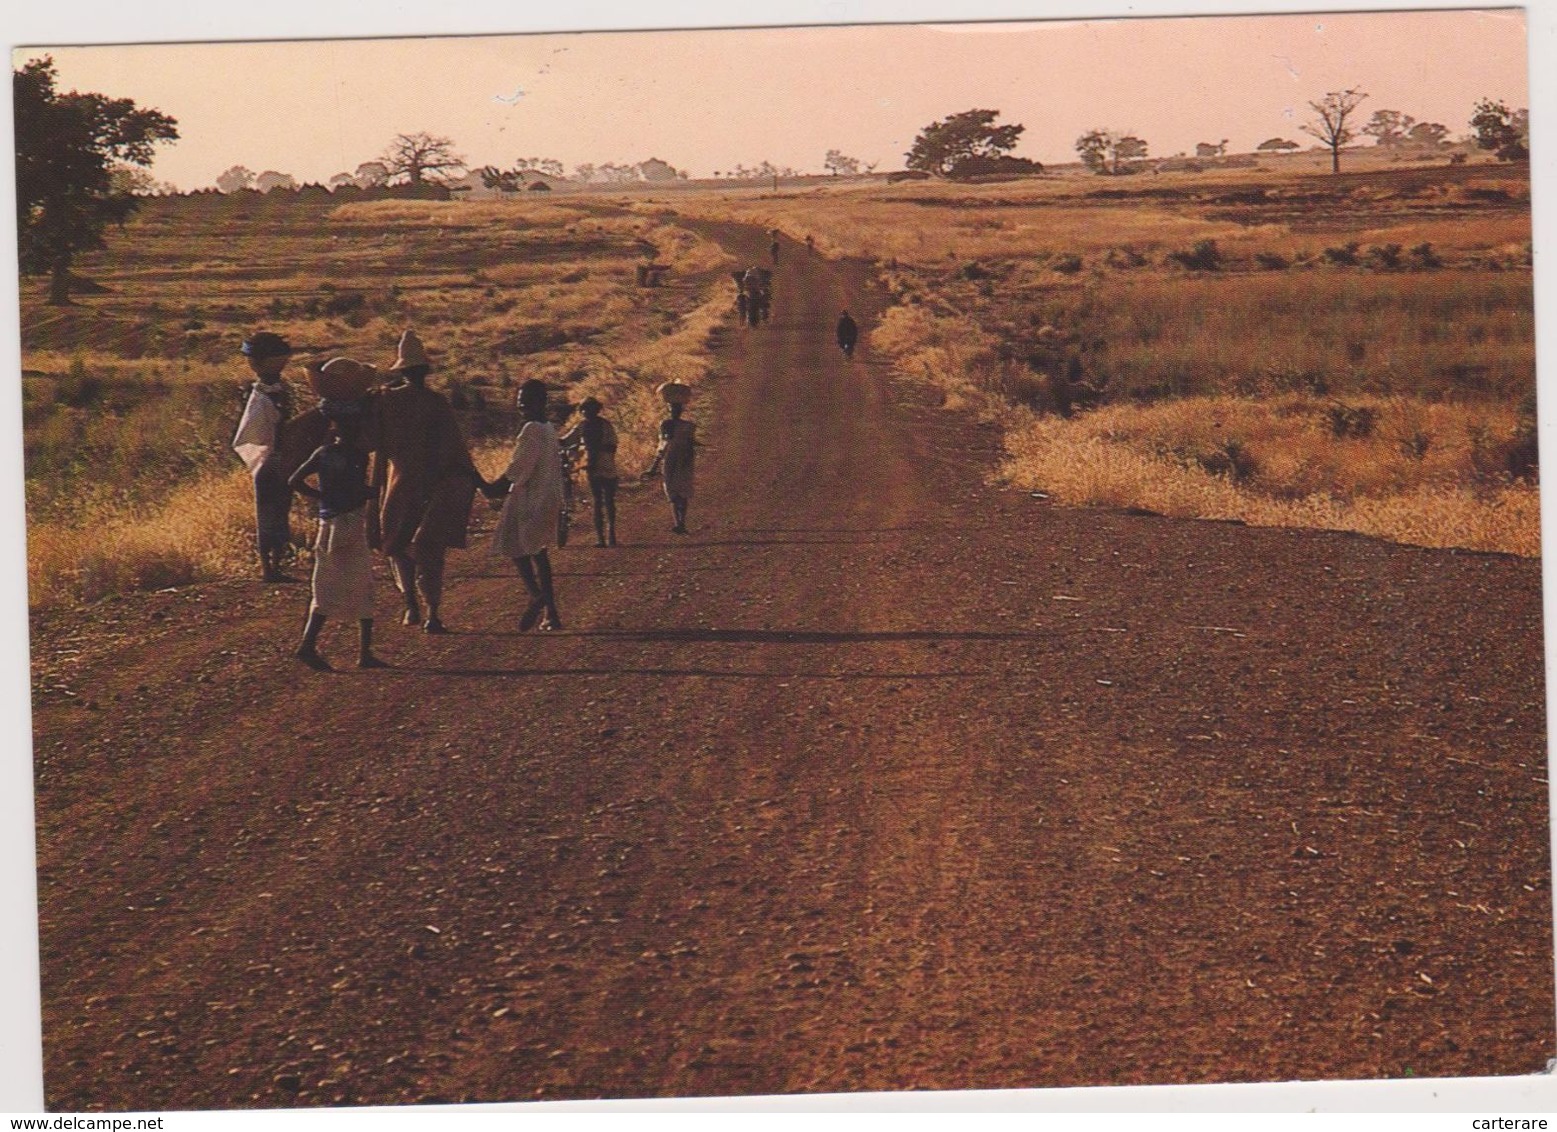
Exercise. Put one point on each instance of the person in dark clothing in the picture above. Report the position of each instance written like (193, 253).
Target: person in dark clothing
(598, 439)
(848, 334)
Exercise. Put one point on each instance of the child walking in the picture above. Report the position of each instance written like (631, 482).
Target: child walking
(598, 439)
(532, 486)
(343, 563)
(674, 457)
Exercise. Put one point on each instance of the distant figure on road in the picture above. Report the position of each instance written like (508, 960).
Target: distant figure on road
(532, 486)
(848, 334)
(343, 562)
(598, 439)
(425, 481)
(674, 457)
(271, 447)
(773, 250)
(811, 244)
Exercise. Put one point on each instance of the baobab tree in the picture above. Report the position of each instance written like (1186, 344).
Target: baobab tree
(421, 159)
(1331, 128)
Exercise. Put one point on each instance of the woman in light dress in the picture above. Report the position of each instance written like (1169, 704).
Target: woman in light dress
(527, 526)
(674, 457)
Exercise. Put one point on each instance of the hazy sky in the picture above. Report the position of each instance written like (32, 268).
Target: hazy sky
(707, 100)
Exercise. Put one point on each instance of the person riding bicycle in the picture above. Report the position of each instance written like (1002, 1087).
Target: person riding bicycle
(597, 438)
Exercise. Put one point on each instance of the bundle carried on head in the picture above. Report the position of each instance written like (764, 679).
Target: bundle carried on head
(675, 392)
(342, 379)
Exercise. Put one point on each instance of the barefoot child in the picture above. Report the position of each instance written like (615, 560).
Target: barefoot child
(531, 490)
(678, 440)
(598, 439)
(343, 563)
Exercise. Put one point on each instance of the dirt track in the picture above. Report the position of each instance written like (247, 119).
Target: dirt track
(885, 778)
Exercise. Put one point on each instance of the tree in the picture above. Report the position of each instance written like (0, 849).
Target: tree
(1276, 145)
(341, 180)
(1496, 128)
(1331, 128)
(973, 133)
(371, 174)
(235, 178)
(270, 179)
(1431, 134)
(67, 147)
(1389, 127)
(421, 159)
(838, 165)
(1109, 151)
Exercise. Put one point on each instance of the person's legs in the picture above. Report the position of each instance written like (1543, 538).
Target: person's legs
(308, 651)
(429, 580)
(272, 520)
(532, 612)
(403, 567)
(548, 595)
(598, 492)
(608, 495)
(678, 507)
(365, 657)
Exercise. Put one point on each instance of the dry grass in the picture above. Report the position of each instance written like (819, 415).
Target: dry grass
(131, 395)
(1086, 463)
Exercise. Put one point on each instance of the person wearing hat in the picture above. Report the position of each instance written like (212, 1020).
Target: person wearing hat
(598, 439)
(425, 481)
(531, 490)
(343, 562)
(674, 457)
(271, 446)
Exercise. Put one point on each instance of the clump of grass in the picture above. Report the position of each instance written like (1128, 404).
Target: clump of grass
(1204, 256)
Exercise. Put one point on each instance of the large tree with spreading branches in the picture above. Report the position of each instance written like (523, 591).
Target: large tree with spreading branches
(942, 146)
(421, 159)
(70, 152)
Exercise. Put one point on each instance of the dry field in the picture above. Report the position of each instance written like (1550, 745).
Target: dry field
(131, 394)
(1272, 344)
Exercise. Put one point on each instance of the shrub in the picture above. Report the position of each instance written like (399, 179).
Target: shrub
(1425, 257)
(1067, 264)
(1385, 256)
(1271, 261)
(1351, 420)
(1343, 256)
(1230, 458)
(1203, 257)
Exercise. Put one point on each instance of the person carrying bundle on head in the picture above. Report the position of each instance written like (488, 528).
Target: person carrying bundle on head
(343, 562)
(425, 481)
(677, 448)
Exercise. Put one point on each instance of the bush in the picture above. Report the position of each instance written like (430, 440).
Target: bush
(1067, 264)
(1351, 421)
(78, 389)
(1425, 257)
(1343, 256)
(1385, 256)
(1271, 261)
(1203, 257)
(1230, 458)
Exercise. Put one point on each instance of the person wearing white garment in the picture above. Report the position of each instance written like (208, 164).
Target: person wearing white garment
(531, 490)
(271, 447)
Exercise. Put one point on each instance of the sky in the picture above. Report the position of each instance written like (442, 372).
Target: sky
(707, 100)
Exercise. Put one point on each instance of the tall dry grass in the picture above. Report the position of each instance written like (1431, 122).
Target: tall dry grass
(132, 397)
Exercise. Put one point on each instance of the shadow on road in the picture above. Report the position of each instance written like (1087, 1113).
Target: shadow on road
(796, 636)
(716, 673)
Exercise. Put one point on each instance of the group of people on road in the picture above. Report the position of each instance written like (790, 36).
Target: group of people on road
(754, 297)
(386, 462)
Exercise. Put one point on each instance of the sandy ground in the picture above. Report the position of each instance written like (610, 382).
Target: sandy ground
(884, 778)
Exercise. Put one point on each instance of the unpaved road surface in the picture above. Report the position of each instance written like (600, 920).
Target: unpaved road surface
(885, 778)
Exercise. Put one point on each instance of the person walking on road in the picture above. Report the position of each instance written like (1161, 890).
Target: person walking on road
(343, 562)
(425, 481)
(532, 486)
(598, 439)
(271, 446)
(848, 334)
(674, 457)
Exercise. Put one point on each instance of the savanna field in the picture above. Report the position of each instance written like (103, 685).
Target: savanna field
(1270, 344)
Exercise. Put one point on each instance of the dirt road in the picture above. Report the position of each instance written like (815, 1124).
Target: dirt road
(884, 778)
